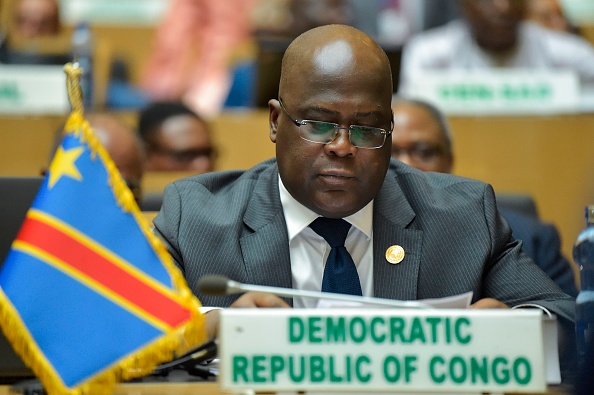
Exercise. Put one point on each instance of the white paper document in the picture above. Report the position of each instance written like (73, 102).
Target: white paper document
(461, 301)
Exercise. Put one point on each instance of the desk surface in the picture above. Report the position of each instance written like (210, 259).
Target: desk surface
(206, 389)
(154, 389)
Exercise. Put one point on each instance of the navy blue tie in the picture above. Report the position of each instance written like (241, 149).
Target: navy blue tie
(340, 273)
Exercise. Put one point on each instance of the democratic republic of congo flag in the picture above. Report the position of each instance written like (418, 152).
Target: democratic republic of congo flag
(88, 295)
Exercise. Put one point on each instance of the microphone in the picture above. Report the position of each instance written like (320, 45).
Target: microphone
(221, 285)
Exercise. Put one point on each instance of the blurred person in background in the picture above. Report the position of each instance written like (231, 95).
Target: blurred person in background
(421, 136)
(438, 13)
(277, 22)
(31, 27)
(422, 139)
(493, 34)
(175, 138)
(36, 18)
(307, 14)
(123, 145)
(286, 19)
(36, 36)
(548, 14)
(190, 60)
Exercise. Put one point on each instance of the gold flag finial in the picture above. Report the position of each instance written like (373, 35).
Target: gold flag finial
(73, 72)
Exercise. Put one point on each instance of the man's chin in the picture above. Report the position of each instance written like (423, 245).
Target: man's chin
(337, 204)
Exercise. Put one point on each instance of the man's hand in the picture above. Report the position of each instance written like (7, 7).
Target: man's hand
(257, 299)
(249, 299)
(488, 303)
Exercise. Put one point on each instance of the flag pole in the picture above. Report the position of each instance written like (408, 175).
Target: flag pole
(73, 73)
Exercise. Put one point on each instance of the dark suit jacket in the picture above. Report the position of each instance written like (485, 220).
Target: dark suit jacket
(232, 223)
(541, 242)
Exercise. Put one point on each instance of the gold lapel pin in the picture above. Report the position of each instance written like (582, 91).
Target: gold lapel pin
(395, 254)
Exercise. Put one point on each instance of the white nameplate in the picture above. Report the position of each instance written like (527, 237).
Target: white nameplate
(33, 90)
(399, 350)
(498, 92)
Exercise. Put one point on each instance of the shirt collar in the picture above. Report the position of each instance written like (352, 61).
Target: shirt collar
(298, 217)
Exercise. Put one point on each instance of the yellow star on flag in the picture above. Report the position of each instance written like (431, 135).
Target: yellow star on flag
(63, 165)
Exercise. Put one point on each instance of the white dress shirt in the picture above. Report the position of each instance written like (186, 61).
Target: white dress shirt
(451, 47)
(309, 251)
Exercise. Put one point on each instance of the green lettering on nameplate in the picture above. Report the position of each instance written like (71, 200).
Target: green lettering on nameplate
(466, 92)
(419, 350)
(509, 92)
(9, 91)
(499, 370)
(526, 92)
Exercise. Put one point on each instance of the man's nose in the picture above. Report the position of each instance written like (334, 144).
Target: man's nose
(341, 145)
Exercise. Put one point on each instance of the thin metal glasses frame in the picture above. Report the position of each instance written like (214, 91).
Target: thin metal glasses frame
(336, 127)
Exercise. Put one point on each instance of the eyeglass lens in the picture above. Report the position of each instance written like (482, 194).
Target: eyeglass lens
(325, 132)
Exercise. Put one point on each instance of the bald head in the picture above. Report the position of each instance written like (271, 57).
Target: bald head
(421, 136)
(338, 79)
(333, 52)
(123, 146)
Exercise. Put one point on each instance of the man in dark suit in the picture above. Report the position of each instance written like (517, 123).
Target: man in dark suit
(422, 139)
(414, 235)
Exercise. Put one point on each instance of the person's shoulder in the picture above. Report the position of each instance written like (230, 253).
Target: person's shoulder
(433, 49)
(527, 224)
(519, 216)
(439, 38)
(553, 39)
(219, 181)
(438, 195)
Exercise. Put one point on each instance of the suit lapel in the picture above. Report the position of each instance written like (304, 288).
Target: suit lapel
(265, 248)
(392, 214)
(266, 253)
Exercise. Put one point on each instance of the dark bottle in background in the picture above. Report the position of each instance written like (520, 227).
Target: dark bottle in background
(82, 49)
(583, 255)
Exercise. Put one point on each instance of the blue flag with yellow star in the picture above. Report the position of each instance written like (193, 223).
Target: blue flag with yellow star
(88, 295)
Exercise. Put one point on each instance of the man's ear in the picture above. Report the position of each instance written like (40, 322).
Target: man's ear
(274, 108)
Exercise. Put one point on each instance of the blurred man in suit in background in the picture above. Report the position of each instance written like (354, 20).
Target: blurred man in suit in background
(493, 35)
(422, 139)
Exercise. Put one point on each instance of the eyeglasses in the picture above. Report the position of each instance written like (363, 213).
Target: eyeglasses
(325, 132)
(419, 153)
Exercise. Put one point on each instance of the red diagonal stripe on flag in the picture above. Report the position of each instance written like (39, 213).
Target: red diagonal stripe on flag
(97, 267)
